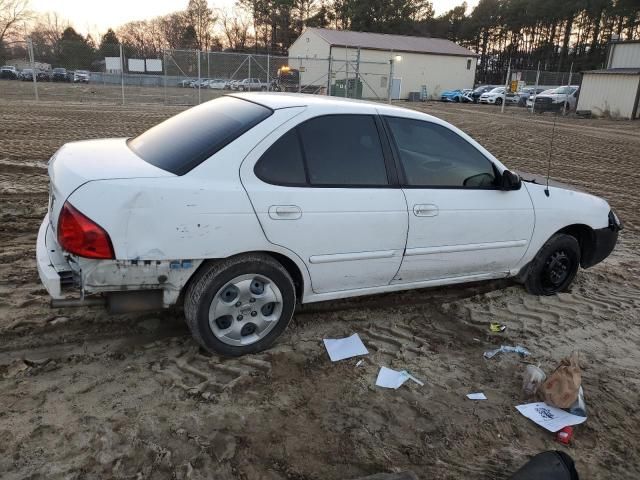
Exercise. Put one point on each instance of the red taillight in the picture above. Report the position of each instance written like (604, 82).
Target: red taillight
(81, 236)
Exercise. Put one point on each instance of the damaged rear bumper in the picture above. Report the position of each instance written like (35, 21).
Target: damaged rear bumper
(127, 285)
(53, 268)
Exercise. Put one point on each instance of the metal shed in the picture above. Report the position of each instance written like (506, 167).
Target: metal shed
(615, 91)
(413, 63)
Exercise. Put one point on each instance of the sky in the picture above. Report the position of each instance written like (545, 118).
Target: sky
(95, 16)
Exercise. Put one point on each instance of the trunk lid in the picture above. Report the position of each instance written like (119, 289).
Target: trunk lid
(77, 163)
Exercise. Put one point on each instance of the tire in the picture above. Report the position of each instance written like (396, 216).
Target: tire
(554, 267)
(247, 322)
(498, 101)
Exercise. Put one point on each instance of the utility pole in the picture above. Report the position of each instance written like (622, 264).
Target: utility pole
(33, 67)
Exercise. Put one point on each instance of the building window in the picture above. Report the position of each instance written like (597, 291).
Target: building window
(383, 82)
(468, 64)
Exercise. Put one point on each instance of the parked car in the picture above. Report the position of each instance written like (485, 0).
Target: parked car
(232, 85)
(558, 99)
(248, 204)
(61, 75)
(251, 84)
(456, 96)
(187, 82)
(43, 76)
(81, 76)
(495, 96)
(9, 72)
(217, 84)
(475, 95)
(26, 75)
(526, 93)
(202, 83)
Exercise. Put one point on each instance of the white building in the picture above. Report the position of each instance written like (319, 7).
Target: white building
(615, 91)
(415, 63)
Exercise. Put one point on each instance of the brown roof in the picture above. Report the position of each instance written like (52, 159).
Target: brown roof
(397, 43)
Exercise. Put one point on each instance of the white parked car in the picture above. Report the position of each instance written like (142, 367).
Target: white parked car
(250, 84)
(495, 96)
(217, 84)
(557, 99)
(243, 208)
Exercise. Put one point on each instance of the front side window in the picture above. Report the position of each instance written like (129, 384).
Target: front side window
(434, 156)
(343, 150)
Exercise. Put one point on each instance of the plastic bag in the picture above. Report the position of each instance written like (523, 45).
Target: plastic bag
(532, 379)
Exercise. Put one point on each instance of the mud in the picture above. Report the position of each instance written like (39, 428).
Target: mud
(86, 395)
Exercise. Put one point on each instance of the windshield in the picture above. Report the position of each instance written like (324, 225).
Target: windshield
(59, 70)
(184, 141)
(497, 90)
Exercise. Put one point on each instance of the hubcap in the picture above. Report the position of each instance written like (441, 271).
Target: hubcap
(245, 309)
(556, 270)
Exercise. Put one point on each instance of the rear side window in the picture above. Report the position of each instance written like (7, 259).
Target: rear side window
(183, 142)
(343, 150)
(282, 164)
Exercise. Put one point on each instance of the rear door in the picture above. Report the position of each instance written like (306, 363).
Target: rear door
(324, 190)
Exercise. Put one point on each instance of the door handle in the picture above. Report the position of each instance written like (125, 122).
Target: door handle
(285, 212)
(426, 210)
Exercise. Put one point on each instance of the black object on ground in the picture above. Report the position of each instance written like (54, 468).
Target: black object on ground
(550, 465)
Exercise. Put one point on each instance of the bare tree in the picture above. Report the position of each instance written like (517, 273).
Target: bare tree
(202, 19)
(236, 29)
(12, 14)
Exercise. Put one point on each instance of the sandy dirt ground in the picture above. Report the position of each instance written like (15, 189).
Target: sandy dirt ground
(87, 395)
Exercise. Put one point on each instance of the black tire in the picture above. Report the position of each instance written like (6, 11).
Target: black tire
(555, 266)
(212, 278)
(498, 101)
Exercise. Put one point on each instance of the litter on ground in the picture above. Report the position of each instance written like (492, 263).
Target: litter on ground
(388, 378)
(507, 349)
(476, 396)
(341, 348)
(551, 418)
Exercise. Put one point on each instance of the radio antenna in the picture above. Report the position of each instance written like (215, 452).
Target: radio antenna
(553, 134)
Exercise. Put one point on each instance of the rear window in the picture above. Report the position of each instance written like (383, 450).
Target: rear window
(183, 142)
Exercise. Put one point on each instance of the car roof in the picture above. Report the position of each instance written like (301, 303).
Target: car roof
(276, 100)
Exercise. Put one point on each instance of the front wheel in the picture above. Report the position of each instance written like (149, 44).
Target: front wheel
(555, 266)
(240, 305)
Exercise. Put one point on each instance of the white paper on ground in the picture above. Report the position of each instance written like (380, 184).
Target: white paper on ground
(551, 418)
(388, 378)
(341, 348)
(476, 396)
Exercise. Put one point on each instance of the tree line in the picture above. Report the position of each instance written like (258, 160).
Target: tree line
(522, 33)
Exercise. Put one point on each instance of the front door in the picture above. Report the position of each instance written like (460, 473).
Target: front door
(460, 223)
(321, 189)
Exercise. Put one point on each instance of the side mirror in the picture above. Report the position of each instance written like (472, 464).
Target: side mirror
(510, 181)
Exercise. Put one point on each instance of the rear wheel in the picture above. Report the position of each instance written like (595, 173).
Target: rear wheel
(498, 101)
(555, 266)
(240, 305)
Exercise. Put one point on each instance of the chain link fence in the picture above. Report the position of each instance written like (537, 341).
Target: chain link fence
(117, 74)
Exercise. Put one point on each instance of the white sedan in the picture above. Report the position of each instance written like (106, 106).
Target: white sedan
(248, 204)
(217, 84)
